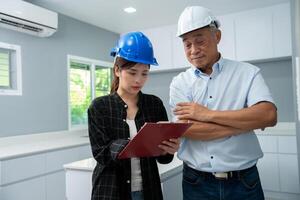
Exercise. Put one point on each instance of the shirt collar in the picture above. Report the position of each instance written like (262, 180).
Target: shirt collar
(120, 100)
(217, 67)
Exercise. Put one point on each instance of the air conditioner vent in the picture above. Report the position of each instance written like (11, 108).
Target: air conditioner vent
(28, 18)
(19, 25)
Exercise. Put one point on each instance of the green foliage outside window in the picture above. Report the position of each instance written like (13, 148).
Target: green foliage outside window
(80, 89)
(103, 81)
(80, 92)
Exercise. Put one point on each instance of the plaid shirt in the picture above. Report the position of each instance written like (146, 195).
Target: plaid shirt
(109, 133)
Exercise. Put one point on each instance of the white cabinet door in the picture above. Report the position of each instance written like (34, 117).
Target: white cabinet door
(268, 144)
(56, 186)
(268, 170)
(162, 44)
(22, 168)
(84, 152)
(172, 187)
(55, 183)
(282, 30)
(254, 34)
(179, 58)
(287, 144)
(56, 159)
(33, 189)
(289, 176)
(227, 44)
(78, 184)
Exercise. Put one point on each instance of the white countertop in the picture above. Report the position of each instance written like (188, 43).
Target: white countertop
(281, 129)
(83, 165)
(79, 176)
(90, 163)
(17, 146)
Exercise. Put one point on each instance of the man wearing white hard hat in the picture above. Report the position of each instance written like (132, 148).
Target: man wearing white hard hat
(226, 100)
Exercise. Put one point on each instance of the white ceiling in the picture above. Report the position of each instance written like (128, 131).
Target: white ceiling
(109, 14)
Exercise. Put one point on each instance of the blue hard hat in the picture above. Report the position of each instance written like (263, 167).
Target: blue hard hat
(135, 47)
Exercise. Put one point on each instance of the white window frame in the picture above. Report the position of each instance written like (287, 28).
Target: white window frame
(93, 63)
(17, 70)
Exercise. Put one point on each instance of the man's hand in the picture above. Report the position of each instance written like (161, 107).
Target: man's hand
(170, 146)
(192, 111)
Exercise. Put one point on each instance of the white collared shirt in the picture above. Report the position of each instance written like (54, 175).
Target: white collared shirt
(232, 85)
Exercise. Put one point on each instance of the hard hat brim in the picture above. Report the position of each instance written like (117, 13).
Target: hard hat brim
(181, 32)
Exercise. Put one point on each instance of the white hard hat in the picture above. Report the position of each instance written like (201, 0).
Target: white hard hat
(195, 17)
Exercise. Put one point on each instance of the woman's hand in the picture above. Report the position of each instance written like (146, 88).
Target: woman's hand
(170, 146)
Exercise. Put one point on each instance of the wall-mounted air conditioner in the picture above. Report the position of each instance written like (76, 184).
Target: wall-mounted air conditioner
(28, 18)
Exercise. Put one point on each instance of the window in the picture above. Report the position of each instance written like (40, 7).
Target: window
(10, 69)
(4, 68)
(87, 79)
(103, 78)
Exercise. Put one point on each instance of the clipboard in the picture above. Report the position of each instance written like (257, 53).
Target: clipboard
(146, 141)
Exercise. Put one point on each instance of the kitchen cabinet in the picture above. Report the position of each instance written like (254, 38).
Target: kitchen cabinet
(253, 32)
(287, 144)
(56, 159)
(79, 182)
(55, 186)
(168, 48)
(281, 30)
(279, 167)
(289, 176)
(268, 167)
(288, 164)
(14, 170)
(172, 187)
(227, 44)
(161, 40)
(79, 179)
(84, 151)
(179, 58)
(263, 33)
(258, 34)
(39, 176)
(33, 189)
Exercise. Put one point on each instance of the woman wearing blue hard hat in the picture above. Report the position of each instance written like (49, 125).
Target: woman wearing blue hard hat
(116, 118)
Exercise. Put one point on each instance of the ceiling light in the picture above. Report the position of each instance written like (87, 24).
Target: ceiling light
(130, 10)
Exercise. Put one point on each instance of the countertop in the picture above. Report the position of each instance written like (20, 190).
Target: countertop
(18, 146)
(281, 129)
(165, 170)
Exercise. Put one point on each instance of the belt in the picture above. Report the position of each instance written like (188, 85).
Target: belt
(222, 175)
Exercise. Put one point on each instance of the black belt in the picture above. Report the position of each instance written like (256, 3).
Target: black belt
(222, 175)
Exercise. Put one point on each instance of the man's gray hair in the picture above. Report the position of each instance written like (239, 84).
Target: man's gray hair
(213, 26)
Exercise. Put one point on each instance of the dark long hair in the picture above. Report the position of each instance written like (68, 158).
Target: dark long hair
(119, 64)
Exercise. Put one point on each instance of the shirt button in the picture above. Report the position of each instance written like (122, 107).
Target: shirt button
(210, 96)
(128, 181)
(210, 78)
(211, 157)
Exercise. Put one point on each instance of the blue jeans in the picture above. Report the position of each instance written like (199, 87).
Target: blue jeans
(137, 195)
(196, 186)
